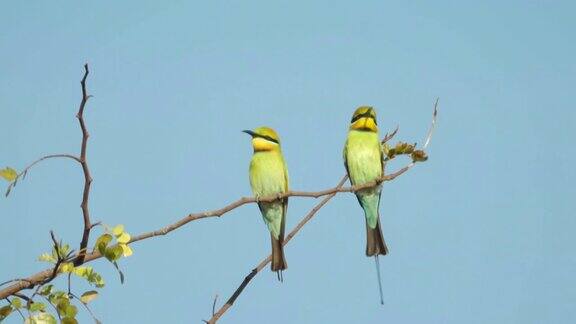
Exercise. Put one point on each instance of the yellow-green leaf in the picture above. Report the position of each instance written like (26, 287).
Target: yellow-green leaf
(102, 243)
(71, 311)
(16, 302)
(46, 290)
(113, 253)
(61, 305)
(67, 267)
(126, 250)
(37, 306)
(69, 320)
(81, 271)
(88, 296)
(47, 257)
(8, 174)
(123, 238)
(118, 230)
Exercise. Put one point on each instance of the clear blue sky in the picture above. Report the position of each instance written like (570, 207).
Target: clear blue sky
(482, 233)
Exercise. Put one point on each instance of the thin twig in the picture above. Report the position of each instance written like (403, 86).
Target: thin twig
(53, 306)
(58, 260)
(432, 125)
(27, 168)
(85, 306)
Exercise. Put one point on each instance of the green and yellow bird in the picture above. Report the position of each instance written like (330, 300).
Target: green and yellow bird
(364, 163)
(268, 177)
(364, 160)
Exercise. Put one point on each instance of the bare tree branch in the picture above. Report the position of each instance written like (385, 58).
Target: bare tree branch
(86, 170)
(45, 276)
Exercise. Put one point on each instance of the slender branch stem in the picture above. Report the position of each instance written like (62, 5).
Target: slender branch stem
(86, 170)
(24, 172)
(47, 275)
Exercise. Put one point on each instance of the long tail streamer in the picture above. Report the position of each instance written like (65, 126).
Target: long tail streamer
(379, 279)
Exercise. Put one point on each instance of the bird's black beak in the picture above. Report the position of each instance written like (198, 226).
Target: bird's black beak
(249, 132)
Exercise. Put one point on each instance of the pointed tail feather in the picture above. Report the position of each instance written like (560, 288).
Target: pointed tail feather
(278, 260)
(375, 241)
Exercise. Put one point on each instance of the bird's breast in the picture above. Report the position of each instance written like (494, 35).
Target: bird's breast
(267, 174)
(363, 157)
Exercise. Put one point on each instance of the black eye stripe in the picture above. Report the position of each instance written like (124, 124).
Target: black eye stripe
(268, 138)
(366, 114)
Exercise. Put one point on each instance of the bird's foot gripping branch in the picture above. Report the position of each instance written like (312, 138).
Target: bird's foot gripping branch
(37, 298)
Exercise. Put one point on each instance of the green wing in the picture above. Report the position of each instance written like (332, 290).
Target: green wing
(269, 176)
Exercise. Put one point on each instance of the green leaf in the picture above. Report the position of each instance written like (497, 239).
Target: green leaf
(113, 253)
(8, 174)
(69, 320)
(126, 250)
(88, 296)
(93, 277)
(62, 304)
(98, 282)
(71, 311)
(81, 271)
(37, 306)
(46, 257)
(102, 243)
(118, 230)
(16, 302)
(123, 238)
(66, 267)
(46, 290)
(55, 297)
(61, 251)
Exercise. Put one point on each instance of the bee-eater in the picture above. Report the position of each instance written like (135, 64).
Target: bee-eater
(363, 159)
(268, 177)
